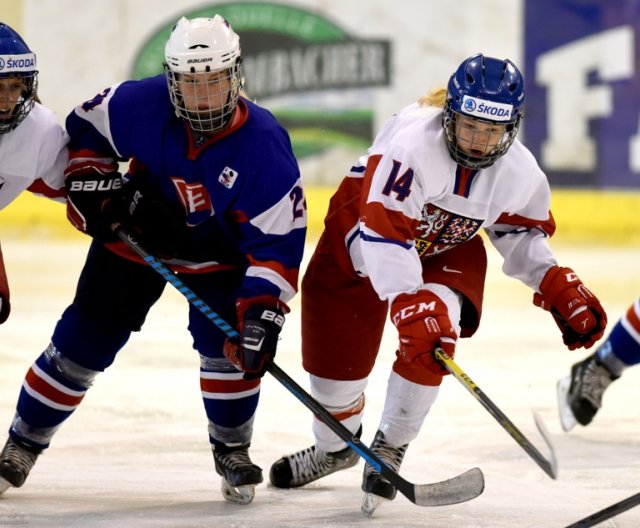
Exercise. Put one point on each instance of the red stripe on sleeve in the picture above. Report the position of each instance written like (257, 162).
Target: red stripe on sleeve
(392, 225)
(389, 224)
(633, 319)
(40, 187)
(288, 274)
(548, 225)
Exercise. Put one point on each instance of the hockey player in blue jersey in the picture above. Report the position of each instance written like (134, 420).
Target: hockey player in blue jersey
(580, 393)
(213, 188)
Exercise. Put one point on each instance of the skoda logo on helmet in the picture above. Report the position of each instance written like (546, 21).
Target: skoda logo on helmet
(484, 109)
(469, 105)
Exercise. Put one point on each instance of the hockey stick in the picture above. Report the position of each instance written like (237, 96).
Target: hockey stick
(460, 488)
(550, 467)
(607, 513)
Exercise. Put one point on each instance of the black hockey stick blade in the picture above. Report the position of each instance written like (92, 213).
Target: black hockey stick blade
(607, 513)
(460, 488)
(549, 466)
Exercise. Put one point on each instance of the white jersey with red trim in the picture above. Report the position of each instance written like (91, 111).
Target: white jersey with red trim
(34, 157)
(417, 202)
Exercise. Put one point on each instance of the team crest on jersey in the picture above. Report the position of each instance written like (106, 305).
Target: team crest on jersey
(228, 177)
(195, 199)
(440, 230)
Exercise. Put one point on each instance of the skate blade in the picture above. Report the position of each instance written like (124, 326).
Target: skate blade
(238, 494)
(4, 485)
(567, 419)
(370, 503)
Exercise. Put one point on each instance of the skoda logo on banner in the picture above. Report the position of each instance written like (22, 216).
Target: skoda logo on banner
(321, 75)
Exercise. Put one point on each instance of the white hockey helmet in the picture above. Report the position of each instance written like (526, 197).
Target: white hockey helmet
(200, 46)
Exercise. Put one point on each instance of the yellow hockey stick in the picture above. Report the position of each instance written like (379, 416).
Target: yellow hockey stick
(550, 467)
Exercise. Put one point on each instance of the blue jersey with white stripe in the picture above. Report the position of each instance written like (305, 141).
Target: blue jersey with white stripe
(240, 189)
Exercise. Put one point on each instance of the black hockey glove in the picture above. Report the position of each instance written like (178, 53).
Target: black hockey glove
(260, 322)
(158, 225)
(90, 188)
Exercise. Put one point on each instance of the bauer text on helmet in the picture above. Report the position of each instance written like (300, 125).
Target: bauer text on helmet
(202, 64)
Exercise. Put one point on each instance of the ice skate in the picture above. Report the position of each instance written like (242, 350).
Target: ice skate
(580, 394)
(376, 488)
(239, 474)
(312, 463)
(16, 462)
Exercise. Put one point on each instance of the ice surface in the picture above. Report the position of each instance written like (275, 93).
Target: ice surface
(135, 454)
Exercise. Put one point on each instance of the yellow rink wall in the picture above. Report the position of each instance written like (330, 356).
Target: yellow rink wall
(582, 217)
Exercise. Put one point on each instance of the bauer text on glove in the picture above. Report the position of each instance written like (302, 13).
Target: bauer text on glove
(90, 187)
(260, 321)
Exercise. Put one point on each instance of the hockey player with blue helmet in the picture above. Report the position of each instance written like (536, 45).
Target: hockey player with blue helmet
(482, 91)
(401, 240)
(33, 146)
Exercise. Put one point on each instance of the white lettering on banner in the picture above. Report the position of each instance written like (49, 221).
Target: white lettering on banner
(316, 67)
(571, 103)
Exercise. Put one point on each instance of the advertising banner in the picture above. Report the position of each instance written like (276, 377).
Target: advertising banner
(583, 90)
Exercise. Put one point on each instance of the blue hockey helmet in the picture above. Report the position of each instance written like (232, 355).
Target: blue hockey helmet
(487, 90)
(17, 61)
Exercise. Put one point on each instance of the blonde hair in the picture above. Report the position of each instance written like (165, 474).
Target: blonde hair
(436, 97)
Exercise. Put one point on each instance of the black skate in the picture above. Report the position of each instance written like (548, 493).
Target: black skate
(312, 463)
(239, 474)
(376, 488)
(580, 394)
(16, 462)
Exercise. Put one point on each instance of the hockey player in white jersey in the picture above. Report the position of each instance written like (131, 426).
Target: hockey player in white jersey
(33, 155)
(401, 237)
(580, 393)
(33, 146)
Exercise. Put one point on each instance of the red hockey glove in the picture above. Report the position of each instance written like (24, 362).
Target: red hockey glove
(423, 323)
(260, 321)
(576, 311)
